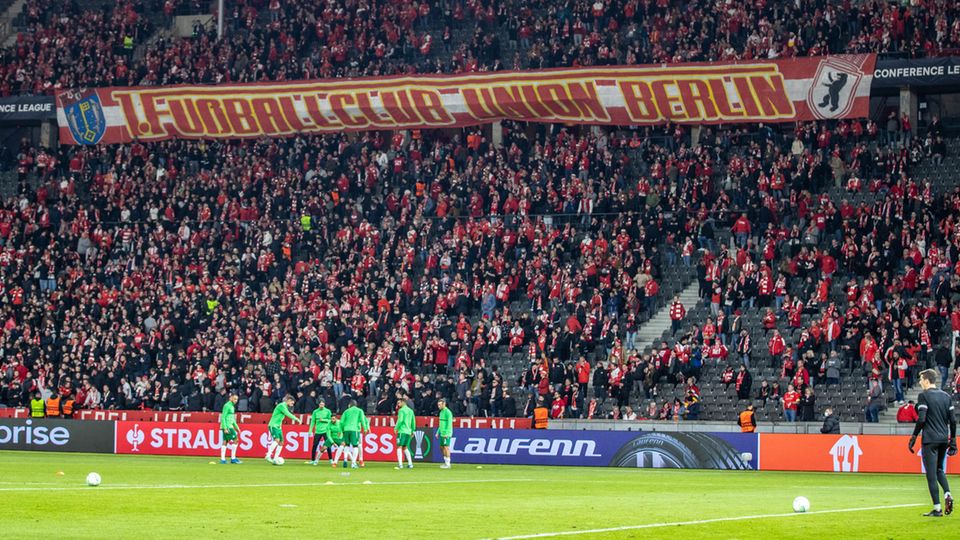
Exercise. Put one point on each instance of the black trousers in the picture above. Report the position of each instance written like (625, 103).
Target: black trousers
(318, 439)
(934, 459)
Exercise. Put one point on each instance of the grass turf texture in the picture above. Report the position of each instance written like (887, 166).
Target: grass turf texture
(177, 497)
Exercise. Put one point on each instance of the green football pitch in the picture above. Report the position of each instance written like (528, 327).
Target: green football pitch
(43, 495)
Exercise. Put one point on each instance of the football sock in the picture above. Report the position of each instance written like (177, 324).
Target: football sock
(233, 451)
(273, 446)
(400, 457)
(223, 452)
(409, 457)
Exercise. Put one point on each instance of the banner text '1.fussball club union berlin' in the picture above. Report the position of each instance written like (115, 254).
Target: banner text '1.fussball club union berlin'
(698, 93)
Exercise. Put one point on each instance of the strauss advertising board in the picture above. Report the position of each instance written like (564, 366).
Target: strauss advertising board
(201, 439)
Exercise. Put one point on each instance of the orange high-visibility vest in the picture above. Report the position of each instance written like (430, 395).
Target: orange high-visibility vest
(540, 415)
(68, 408)
(53, 406)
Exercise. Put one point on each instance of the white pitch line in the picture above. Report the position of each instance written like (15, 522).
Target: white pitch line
(231, 486)
(704, 521)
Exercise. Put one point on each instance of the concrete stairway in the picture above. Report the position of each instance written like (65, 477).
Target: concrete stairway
(8, 34)
(652, 331)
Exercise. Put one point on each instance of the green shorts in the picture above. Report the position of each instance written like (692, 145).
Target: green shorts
(229, 435)
(276, 433)
(404, 440)
(444, 441)
(351, 438)
(329, 442)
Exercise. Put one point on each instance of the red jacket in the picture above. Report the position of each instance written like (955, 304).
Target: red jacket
(907, 414)
(790, 400)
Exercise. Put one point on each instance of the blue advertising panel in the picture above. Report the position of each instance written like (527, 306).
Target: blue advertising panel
(604, 448)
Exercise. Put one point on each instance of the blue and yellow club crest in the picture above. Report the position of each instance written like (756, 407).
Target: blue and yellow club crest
(86, 120)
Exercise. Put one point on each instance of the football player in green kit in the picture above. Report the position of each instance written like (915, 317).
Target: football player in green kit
(320, 428)
(281, 411)
(406, 424)
(229, 429)
(445, 431)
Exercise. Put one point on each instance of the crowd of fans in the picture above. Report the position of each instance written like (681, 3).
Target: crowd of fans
(368, 266)
(72, 45)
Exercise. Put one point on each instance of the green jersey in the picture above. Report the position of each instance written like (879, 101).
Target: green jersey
(445, 429)
(228, 418)
(406, 421)
(320, 420)
(280, 412)
(336, 433)
(352, 419)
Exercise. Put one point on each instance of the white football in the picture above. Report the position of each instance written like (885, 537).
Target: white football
(278, 461)
(93, 479)
(801, 504)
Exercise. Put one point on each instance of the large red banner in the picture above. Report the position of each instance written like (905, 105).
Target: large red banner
(262, 418)
(696, 93)
(203, 439)
(840, 453)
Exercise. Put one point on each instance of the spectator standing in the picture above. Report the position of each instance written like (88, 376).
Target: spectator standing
(677, 313)
(874, 401)
(744, 383)
(893, 127)
(808, 405)
(790, 401)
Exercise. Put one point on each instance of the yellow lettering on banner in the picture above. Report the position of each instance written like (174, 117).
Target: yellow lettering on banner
(315, 111)
(694, 93)
(771, 95)
(241, 117)
(428, 104)
(555, 98)
(186, 119)
(214, 117)
(339, 103)
(290, 113)
(147, 126)
(747, 96)
(697, 100)
(270, 116)
(509, 99)
(398, 106)
(585, 97)
(726, 108)
(477, 106)
(639, 99)
(669, 104)
(533, 101)
(372, 116)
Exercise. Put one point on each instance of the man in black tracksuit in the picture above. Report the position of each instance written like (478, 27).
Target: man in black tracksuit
(939, 427)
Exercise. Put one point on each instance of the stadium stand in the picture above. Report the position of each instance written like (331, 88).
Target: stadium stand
(72, 44)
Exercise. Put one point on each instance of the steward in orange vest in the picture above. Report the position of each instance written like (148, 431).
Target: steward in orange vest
(53, 406)
(540, 415)
(68, 403)
(747, 420)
